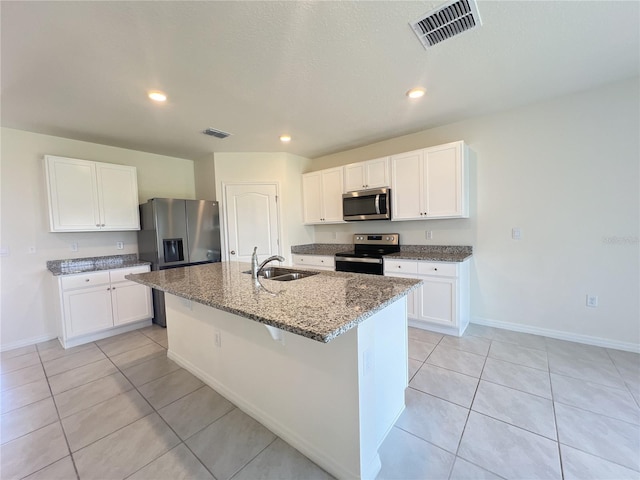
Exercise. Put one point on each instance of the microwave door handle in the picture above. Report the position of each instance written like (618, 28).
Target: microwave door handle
(378, 204)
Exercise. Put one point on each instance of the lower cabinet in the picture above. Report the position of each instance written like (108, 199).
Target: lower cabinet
(317, 262)
(441, 303)
(101, 304)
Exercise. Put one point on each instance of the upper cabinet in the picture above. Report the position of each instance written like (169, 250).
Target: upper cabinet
(322, 196)
(89, 196)
(369, 174)
(430, 183)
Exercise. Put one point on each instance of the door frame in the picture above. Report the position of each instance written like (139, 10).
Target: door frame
(224, 220)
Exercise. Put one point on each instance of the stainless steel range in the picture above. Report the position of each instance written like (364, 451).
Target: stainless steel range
(367, 253)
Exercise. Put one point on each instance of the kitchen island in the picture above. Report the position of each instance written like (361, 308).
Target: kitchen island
(320, 361)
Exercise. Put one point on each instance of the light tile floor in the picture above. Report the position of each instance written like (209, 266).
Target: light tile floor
(492, 404)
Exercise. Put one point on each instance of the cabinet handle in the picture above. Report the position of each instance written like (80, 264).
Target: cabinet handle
(113, 288)
(108, 288)
(436, 269)
(87, 280)
(399, 266)
(98, 225)
(232, 252)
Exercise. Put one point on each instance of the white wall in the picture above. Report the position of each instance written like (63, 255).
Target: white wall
(26, 300)
(566, 171)
(282, 168)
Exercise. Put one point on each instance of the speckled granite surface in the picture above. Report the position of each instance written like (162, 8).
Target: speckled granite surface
(319, 307)
(93, 264)
(433, 253)
(321, 248)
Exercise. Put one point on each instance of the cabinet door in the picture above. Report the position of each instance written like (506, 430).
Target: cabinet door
(444, 183)
(87, 310)
(377, 173)
(332, 189)
(407, 184)
(118, 194)
(412, 297)
(131, 301)
(73, 195)
(354, 177)
(437, 301)
(312, 197)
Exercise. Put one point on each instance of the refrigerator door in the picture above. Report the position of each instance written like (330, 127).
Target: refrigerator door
(203, 231)
(171, 231)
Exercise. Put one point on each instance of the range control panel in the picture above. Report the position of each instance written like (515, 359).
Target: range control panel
(376, 239)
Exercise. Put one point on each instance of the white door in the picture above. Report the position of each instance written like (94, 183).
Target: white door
(252, 221)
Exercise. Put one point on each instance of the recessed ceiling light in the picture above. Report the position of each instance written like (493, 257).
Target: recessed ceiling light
(416, 92)
(285, 138)
(157, 96)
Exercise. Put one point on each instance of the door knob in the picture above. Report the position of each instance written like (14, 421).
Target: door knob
(232, 252)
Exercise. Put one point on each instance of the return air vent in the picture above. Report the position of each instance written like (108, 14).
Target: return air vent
(446, 21)
(215, 133)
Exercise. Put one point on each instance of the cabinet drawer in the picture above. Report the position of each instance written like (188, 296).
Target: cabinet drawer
(119, 274)
(438, 268)
(314, 260)
(84, 280)
(400, 266)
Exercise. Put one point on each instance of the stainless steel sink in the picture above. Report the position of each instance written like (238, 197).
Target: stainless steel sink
(280, 274)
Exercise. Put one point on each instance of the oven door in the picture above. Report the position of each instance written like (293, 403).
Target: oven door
(369, 265)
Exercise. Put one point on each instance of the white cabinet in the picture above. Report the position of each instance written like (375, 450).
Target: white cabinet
(442, 302)
(322, 196)
(91, 196)
(100, 304)
(430, 183)
(369, 174)
(317, 262)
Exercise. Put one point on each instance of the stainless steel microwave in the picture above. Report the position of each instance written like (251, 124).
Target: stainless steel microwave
(373, 204)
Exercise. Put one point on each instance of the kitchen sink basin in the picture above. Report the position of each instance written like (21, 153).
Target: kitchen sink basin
(280, 274)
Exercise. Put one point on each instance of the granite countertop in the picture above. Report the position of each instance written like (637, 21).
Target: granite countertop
(320, 307)
(321, 248)
(93, 264)
(433, 253)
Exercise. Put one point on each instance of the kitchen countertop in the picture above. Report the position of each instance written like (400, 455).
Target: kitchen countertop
(93, 264)
(321, 248)
(320, 307)
(433, 253)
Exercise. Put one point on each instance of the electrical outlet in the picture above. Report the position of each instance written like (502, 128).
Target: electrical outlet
(592, 300)
(217, 338)
(74, 247)
(31, 250)
(516, 233)
(428, 235)
(119, 245)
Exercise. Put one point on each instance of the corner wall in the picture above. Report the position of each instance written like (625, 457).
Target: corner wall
(567, 172)
(27, 302)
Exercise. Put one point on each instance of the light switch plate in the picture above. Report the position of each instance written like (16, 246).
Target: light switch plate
(516, 233)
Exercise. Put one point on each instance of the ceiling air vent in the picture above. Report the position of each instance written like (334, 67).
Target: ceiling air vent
(216, 133)
(446, 21)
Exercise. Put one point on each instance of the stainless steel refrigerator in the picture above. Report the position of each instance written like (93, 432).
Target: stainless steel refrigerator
(177, 233)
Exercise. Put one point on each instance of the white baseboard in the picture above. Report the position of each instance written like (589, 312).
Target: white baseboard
(560, 335)
(28, 341)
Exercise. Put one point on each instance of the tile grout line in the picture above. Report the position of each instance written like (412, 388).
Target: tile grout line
(181, 441)
(64, 433)
(555, 421)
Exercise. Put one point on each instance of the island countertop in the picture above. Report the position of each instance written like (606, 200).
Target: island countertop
(320, 307)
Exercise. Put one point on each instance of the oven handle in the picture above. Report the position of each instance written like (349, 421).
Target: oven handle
(378, 204)
(358, 260)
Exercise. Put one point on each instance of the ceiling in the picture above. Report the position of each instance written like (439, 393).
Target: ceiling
(333, 75)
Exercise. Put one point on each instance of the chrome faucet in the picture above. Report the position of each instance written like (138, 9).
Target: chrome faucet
(255, 268)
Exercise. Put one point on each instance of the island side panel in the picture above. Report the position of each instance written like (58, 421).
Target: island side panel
(304, 391)
(321, 398)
